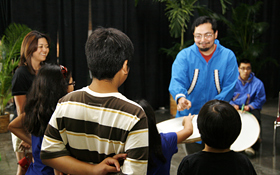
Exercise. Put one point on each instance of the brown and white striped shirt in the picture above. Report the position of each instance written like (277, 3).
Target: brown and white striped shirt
(91, 126)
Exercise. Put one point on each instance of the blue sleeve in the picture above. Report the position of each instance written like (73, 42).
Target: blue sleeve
(260, 97)
(230, 79)
(179, 78)
(170, 142)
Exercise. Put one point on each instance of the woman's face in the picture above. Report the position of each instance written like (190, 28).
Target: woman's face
(71, 85)
(42, 51)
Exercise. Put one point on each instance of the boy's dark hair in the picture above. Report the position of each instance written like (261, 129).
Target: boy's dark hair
(106, 51)
(244, 60)
(205, 19)
(219, 124)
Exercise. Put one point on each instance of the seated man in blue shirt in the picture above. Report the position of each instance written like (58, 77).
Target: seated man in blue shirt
(249, 91)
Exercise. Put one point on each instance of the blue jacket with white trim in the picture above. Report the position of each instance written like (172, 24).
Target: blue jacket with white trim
(192, 77)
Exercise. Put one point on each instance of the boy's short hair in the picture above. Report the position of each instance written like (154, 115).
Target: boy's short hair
(219, 124)
(205, 19)
(244, 60)
(106, 50)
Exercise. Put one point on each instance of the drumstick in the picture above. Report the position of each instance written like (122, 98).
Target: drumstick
(242, 108)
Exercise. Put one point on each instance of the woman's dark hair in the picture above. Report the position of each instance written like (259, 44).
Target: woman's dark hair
(29, 46)
(47, 88)
(219, 124)
(205, 19)
(155, 147)
(107, 49)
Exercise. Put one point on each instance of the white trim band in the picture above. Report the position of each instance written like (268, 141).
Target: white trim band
(194, 80)
(217, 81)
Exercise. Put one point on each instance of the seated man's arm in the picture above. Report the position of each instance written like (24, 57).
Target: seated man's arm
(260, 97)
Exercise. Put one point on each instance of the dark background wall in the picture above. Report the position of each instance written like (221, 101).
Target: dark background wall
(68, 21)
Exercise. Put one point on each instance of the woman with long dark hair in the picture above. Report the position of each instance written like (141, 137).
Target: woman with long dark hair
(33, 54)
(51, 83)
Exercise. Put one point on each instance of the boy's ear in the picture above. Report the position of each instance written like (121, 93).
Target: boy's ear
(125, 68)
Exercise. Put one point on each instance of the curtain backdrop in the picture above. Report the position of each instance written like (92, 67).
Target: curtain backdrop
(270, 74)
(38, 15)
(145, 24)
(147, 27)
(73, 32)
(5, 15)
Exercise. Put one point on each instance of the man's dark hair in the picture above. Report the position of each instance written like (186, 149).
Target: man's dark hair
(244, 60)
(205, 19)
(106, 51)
(219, 124)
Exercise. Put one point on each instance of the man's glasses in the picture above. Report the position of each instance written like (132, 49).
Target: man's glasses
(206, 36)
(245, 68)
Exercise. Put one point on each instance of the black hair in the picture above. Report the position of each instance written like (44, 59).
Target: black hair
(219, 124)
(47, 88)
(205, 19)
(155, 147)
(106, 50)
(244, 60)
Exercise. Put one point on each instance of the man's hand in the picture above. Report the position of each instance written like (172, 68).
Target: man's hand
(246, 108)
(120, 157)
(183, 104)
(236, 107)
(111, 165)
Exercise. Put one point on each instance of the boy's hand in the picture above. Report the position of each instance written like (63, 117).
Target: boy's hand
(187, 119)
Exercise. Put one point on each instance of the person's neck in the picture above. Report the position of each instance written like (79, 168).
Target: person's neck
(244, 79)
(103, 86)
(36, 65)
(214, 150)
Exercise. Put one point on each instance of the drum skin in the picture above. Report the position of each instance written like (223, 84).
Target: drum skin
(249, 134)
(175, 125)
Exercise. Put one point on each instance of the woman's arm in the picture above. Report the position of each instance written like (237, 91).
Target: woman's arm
(20, 102)
(188, 129)
(16, 127)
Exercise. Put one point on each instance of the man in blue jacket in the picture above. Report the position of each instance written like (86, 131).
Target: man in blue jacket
(249, 93)
(204, 71)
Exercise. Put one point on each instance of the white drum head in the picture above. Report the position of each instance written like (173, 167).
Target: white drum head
(249, 134)
(175, 125)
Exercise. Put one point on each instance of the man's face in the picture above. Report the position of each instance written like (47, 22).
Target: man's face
(244, 70)
(204, 37)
